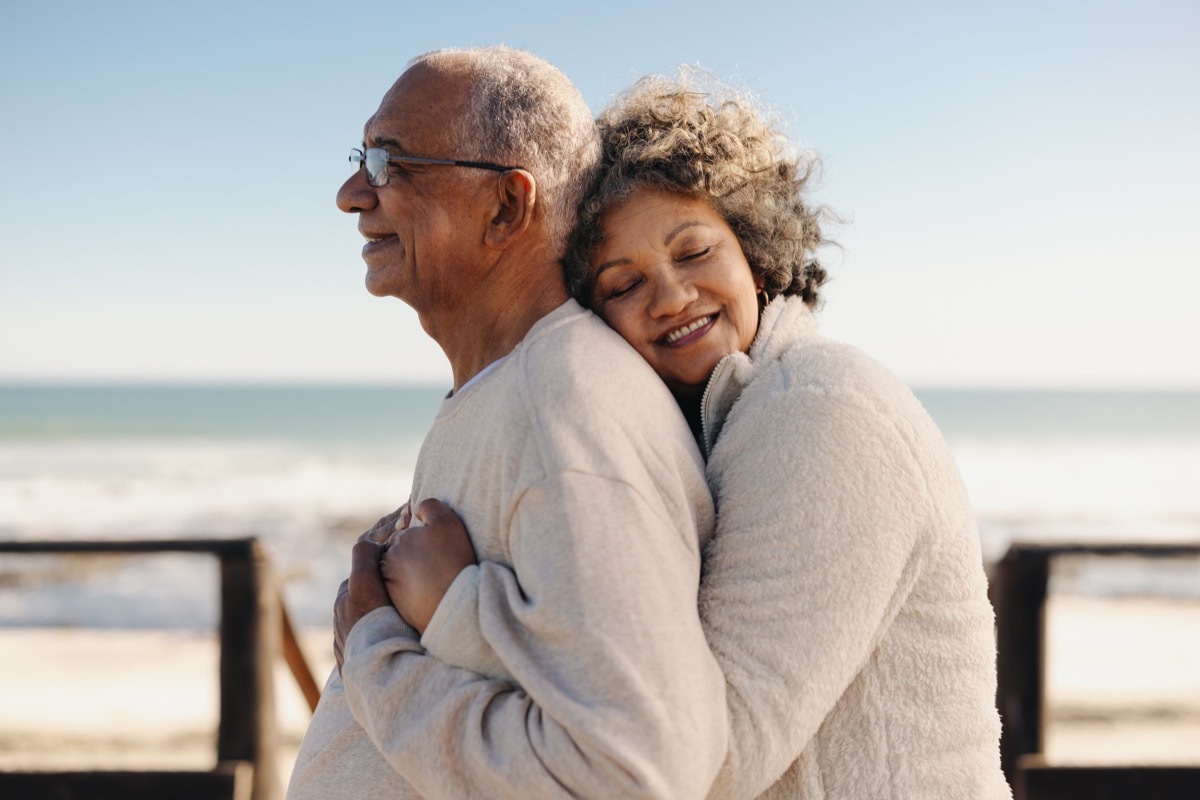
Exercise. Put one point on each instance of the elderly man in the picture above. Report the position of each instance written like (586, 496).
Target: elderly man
(565, 456)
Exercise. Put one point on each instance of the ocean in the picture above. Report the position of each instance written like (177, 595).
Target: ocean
(307, 469)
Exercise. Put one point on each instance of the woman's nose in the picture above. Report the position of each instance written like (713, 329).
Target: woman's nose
(356, 194)
(672, 294)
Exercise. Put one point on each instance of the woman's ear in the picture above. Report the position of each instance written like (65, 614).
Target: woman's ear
(517, 195)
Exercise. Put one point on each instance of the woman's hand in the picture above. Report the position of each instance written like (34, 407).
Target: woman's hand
(359, 595)
(398, 520)
(423, 559)
(364, 591)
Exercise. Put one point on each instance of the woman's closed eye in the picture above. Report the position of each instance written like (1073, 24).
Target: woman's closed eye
(621, 289)
(693, 254)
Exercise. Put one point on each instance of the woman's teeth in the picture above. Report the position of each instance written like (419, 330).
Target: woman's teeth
(675, 335)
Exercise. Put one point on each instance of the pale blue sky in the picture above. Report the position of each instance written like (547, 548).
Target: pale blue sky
(1019, 179)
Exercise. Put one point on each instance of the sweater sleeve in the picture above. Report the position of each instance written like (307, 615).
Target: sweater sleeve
(618, 693)
(820, 513)
(453, 634)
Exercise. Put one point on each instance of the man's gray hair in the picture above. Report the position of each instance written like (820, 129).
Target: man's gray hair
(523, 111)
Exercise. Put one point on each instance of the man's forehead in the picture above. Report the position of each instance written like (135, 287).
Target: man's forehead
(399, 131)
(377, 134)
(416, 109)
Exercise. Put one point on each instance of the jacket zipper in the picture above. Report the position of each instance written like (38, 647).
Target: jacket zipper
(704, 411)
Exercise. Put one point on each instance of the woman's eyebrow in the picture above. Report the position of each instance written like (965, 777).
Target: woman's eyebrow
(670, 237)
(616, 262)
(680, 228)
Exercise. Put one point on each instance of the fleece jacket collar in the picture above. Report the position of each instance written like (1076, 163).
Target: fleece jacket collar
(783, 321)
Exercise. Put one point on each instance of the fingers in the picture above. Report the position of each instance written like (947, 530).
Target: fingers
(432, 511)
(377, 534)
(359, 595)
(397, 520)
(363, 556)
(339, 618)
(366, 589)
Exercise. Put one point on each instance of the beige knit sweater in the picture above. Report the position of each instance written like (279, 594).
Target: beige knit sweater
(586, 500)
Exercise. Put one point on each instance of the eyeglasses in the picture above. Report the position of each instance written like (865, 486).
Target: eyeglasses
(377, 159)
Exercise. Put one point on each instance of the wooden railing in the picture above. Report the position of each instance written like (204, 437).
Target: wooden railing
(254, 632)
(1019, 587)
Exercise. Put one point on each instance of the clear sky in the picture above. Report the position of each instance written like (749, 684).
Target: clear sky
(1019, 180)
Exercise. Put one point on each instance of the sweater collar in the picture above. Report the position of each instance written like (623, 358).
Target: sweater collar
(783, 321)
(568, 310)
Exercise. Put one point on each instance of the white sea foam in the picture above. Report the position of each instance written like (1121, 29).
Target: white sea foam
(1122, 480)
(1087, 490)
(134, 488)
(306, 502)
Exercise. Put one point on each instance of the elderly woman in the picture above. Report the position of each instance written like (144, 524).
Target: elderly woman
(843, 594)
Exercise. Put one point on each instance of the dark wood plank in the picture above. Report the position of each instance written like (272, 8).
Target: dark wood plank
(1038, 781)
(1021, 582)
(231, 781)
(233, 547)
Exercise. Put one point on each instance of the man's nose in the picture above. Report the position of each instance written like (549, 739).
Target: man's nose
(356, 194)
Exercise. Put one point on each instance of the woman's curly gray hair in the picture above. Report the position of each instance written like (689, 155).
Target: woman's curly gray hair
(713, 143)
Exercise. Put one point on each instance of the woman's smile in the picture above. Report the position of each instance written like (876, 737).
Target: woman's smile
(690, 332)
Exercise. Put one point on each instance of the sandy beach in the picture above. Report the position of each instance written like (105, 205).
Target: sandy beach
(1123, 686)
(125, 699)
(1122, 680)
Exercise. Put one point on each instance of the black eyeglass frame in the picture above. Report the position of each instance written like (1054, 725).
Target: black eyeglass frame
(362, 158)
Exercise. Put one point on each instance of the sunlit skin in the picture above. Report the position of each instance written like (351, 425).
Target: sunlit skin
(671, 278)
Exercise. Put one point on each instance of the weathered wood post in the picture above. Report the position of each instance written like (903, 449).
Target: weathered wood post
(250, 642)
(1022, 577)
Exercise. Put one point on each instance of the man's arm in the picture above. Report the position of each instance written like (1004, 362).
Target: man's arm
(618, 693)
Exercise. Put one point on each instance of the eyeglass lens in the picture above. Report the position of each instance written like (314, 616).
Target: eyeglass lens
(377, 166)
(375, 160)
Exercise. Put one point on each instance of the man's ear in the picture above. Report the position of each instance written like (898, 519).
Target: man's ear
(517, 195)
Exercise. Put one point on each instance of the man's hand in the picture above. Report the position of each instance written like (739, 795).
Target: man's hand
(361, 594)
(422, 561)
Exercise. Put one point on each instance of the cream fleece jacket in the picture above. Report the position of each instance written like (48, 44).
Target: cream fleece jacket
(843, 594)
(585, 497)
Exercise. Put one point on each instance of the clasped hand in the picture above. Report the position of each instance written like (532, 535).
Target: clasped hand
(405, 563)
